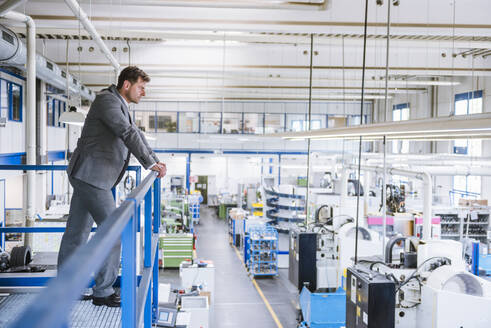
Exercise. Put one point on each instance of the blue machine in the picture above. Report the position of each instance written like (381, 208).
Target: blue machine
(323, 310)
(485, 264)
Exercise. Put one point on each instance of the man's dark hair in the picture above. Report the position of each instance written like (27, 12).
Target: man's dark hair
(131, 73)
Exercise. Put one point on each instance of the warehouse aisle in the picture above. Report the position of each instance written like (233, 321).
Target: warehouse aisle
(238, 303)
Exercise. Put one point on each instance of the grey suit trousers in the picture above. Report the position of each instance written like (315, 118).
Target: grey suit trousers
(90, 204)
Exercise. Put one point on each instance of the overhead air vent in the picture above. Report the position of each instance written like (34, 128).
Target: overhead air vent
(49, 65)
(7, 37)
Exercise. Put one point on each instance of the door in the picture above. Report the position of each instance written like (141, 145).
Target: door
(202, 186)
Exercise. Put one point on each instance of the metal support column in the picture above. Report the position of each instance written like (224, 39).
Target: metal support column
(279, 169)
(188, 171)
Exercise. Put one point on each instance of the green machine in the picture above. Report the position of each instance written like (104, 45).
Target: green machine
(175, 248)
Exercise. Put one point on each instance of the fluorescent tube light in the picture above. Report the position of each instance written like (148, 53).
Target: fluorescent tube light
(454, 127)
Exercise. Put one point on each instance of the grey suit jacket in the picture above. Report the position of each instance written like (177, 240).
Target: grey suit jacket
(108, 138)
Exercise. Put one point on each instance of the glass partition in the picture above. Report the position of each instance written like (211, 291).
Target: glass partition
(274, 123)
(253, 123)
(166, 121)
(232, 123)
(142, 121)
(210, 122)
(188, 122)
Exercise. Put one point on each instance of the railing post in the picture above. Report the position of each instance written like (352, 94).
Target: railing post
(147, 319)
(156, 228)
(148, 229)
(128, 292)
(138, 179)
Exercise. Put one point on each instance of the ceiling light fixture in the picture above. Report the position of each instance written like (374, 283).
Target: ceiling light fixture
(72, 117)
(454, 127)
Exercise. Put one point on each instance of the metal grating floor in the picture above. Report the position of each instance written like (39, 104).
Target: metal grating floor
(84, 314)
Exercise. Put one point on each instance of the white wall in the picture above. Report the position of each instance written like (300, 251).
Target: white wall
(229, 170)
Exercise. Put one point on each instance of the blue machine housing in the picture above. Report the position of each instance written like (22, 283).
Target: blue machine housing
(323, 310)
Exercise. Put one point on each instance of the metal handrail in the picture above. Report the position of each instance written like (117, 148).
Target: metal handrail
(50, 309)
(4, 230)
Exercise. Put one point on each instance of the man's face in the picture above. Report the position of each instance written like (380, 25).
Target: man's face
(135, 91)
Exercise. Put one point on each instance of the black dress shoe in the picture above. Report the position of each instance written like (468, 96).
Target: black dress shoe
(85, 297)
(111, 301)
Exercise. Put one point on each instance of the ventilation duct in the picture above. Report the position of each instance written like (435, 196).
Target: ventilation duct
(13, 53)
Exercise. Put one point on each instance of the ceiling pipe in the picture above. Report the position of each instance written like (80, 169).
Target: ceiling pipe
(89, 27)
(10, 5)
(30, 125)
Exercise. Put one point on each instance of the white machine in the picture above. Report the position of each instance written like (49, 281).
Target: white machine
(334, 246)
(199, 308)
(436, 291)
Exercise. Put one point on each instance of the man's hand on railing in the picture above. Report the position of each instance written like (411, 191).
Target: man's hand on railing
(160, 168)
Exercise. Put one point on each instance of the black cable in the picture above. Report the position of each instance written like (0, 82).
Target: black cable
(419, 267)
(420, 284)
(361, 123)
(309, 128)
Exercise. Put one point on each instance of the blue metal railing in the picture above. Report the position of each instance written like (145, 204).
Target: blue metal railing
(138, 305)
(4, 230)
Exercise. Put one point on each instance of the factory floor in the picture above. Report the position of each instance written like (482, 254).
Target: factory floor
(237, 301)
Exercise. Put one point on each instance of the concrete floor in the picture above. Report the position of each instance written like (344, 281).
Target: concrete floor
(237, 302)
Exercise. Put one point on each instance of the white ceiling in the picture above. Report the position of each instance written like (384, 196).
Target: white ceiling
(261, 49)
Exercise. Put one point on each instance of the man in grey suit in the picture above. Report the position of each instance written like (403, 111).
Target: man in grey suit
(108, 139)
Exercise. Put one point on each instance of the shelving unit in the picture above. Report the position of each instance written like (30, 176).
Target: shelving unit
(262, 249)
(194, 207)
(284, 209)
(458, 224)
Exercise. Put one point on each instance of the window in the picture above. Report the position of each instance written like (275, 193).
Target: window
(56, 112)
(166, 121)
(4, 99)
(49, 111)
(336, 121)
(400, 113)
(468, 103)
(188, 122)
(210, 122)
(54, 109)
(467, 186)
(354, 120)
(62, 110)
(253, 123)
(317, 122)
(15, 100)
(142, 121)
(232, 123)
(274, 123)
(295, 122)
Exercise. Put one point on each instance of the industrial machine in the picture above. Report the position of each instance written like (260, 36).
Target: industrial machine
(396, 199)
(177, 184)
(428, 286)
(318, 257)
